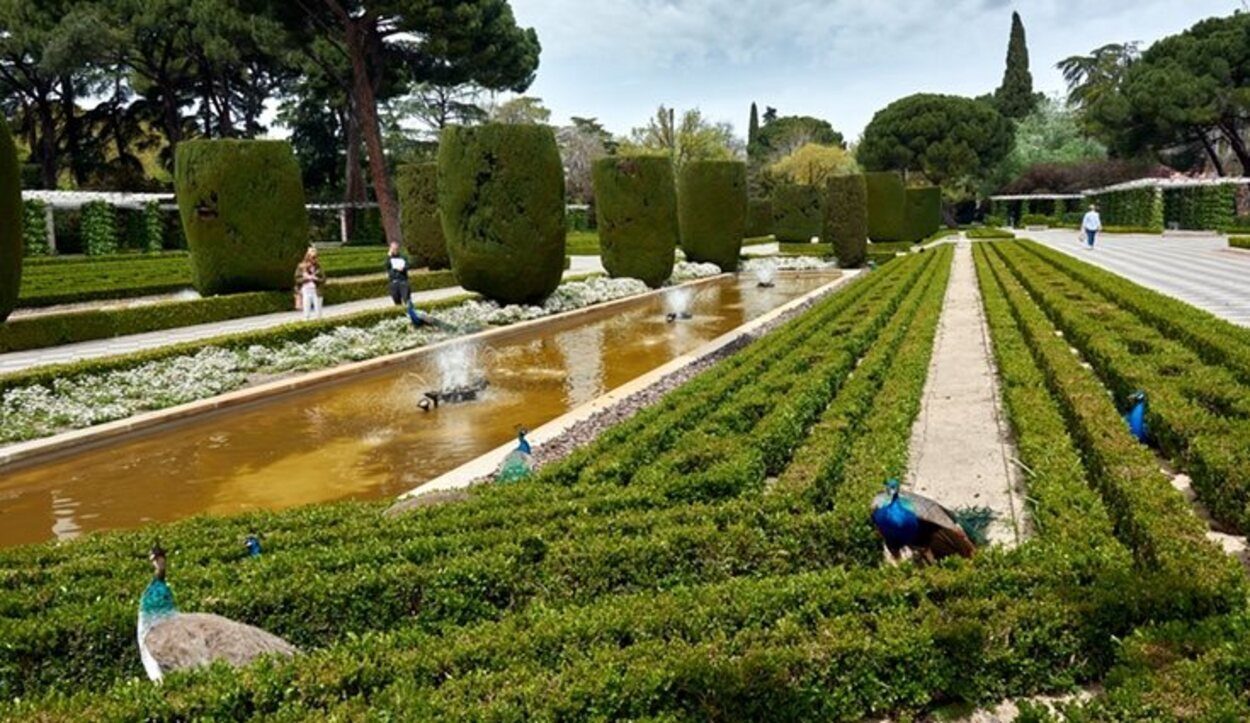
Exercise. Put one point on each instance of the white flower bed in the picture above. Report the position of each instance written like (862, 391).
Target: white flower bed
(87, 399)
(790, 263)
(687, 270)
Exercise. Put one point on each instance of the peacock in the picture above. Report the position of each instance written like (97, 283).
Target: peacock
(519, 463)
(1136, 417)
(419, 320)
(252, 543)
(170, 640)
(904, 519)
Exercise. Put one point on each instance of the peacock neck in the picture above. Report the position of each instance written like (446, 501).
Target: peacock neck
(156, 604)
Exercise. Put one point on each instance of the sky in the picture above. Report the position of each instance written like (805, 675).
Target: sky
(841, 60)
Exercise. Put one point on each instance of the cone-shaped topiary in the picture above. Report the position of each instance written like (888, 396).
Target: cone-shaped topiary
(11, 213)
(886, 200)
(797, 212)
(242, 207)
(846, 219)
(759, 217)
(636, 208)
(712, 211)
(923, 214)
(501, 197)
(417, 185)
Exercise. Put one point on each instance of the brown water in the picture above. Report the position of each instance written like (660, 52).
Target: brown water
(365, 437)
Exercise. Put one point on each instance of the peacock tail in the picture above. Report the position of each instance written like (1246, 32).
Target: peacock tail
(975, 521)
(516, 467)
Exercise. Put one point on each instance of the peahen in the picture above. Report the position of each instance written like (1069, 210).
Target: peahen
(904, 519)
(1136, 417)
(170, 640)
(519, 463)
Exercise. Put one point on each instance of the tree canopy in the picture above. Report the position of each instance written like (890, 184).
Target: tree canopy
(1014, 98)
(690, 137)
(783, 135)
(813, 164)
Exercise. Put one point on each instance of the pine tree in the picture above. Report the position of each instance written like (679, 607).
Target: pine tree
(1014, 98)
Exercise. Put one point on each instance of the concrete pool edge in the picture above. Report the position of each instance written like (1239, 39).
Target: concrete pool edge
(35, 451)
(486, 464)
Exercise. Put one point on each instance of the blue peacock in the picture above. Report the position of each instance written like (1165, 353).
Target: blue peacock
(929, 530)
(252, 544)
(519, 464)
(170, 640)
(1136, 416)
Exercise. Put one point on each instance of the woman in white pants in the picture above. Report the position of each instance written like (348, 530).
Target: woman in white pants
(309, 278)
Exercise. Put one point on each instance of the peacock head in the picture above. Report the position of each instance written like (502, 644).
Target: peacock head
(1138, 397)
(520, 433)
(157, 557)
(892, 488)
(252, 543)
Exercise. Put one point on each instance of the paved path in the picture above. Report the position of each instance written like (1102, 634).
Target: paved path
(1202, 271)
(18, 361)
(960, 446)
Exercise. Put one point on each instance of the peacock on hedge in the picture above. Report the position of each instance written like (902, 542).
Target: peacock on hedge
(170, 640)
(1136, 416)
(931, 531)
(252, 543)
(519, 463)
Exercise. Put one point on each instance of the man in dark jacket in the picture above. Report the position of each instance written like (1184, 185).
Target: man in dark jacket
(397, 274)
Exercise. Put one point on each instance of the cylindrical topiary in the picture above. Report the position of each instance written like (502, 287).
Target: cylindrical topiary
(887, 198)
(712, 211)
(417, 185)
(242, 207)
(636, 210)
(923, 213)
(797, 212)
(846, 219)
(501, 198)
(11, 213)
(759, 217)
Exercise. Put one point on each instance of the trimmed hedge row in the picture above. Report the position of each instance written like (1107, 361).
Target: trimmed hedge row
(759, 217)
(1200, 208)
(1239, 242)
(989, 233)
(887, 206)
(417, 187)
(798, 212)
(922, 213)
(1136, 207)
(636, 211)
(712, 211)
(848, 219)
(11, 213)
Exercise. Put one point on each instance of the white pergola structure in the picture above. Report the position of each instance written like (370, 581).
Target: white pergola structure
(1160, 183)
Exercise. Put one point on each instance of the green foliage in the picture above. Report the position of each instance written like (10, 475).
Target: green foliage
(712, 210)
(1200, 208)
(847, 218)
(798, 212)
(35, 228)
(1134, 207)
(988, 233)
(501, 195)
(521, 110)
(813, 164)
(1051, 136)
(1014, 98)
(11, 217)
(242, 207)
(887, 206)
(759, 217)
(1239, 242)
(683, 139)
(99, 229)
(417, 186)
(636, 206)
(782, 136)
(922, 216)
(753, 130)
(153, 227)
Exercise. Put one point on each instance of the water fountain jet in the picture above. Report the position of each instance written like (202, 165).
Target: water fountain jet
(460, 377)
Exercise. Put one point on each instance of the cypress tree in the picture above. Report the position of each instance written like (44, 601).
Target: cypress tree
(753, 131)
(1014, 97)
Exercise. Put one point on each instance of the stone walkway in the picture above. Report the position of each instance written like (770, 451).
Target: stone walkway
(961, 448)
(1202, 271)
(22, 360)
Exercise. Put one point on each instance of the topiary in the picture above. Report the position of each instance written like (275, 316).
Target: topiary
(797, 212)
(242, 207)
(712, 211)
(501, 197)
(636, 210)
(11, 213)
(759, 217)
(417, 184)
(846, 219)
(887, 198)
(923, 213)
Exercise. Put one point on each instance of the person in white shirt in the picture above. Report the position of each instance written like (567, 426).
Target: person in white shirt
(1091, 225)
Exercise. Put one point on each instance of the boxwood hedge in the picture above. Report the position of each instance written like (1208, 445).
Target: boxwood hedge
(759, 217)
(846, 219)
(712, 210)
(887, 206)
(242, 207)
(11, 213)
(923, 213)
(422, 225)
(798, 212)
(501, 197)
(636, 210)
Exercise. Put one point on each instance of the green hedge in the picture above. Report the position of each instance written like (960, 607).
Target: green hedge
(99, 229)
(242, 207)
(417, 185)
(988, 233)
(798, 212)
(35, 230)
(923, 213)
(11, 213)
(847, 219)
(636, 211)
(820, 250)
(501, 196)
(1239, 242)
(1135, 207)
(759, 217)
(1200, 208)
(887, 206)
(712, 210)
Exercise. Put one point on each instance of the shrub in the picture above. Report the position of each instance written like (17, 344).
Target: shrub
(759, 217)
(242, 206)
(712, 210)
(1200, 208)
(99, 229)
(797, 212)
(988, 233)
(35, 228)
(153, 228)
(501, 195)
(636, 212)
(11, 212)
(1240, 242)
(887, 201)
(1037, 219)
(846, 219)
(923, 213)
(1140, 207)
(419, 218)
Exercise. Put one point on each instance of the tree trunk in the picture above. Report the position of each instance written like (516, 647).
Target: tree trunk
(47, 143)
(73, 135)
(1238, 144)
(354, 182)
(1212, 155)
(365, 105)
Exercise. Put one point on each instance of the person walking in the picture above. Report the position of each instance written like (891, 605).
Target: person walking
(309, 278)
(1091, 225)
(397, 275)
